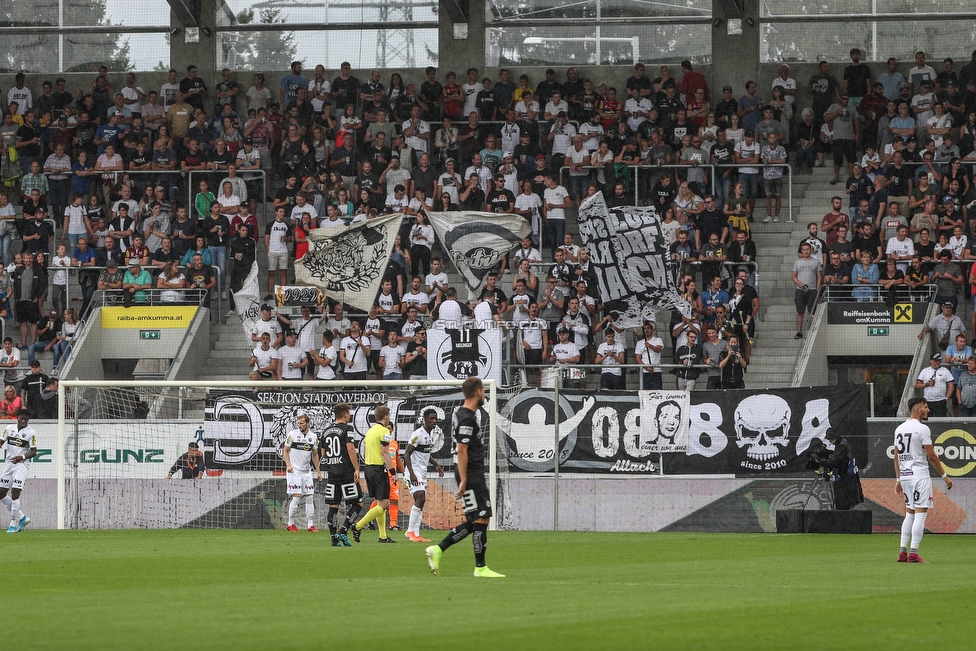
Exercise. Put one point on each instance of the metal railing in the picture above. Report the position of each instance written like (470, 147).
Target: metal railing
(99, 295)
(151, 298)
(564, 172)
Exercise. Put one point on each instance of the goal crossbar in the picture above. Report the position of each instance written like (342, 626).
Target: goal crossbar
(65, 385)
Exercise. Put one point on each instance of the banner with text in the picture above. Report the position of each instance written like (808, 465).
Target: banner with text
(247, 301)
(137, 316)
(349, 265)
(631, 259)
(724, 432)
(875, 313)
(954, 442)
(457, 353)
(477, 241)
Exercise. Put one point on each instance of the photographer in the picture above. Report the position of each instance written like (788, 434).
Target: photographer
(847, 482)
(733, 364)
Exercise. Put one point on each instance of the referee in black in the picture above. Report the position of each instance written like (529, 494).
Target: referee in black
(472, 487)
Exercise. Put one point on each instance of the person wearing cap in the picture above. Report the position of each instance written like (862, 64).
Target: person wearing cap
(692, 80)
(955, 102)
(38, 232)
(267, 324)
(947, 276)
(846, 129)
(936, 384)
(134, 282)
(565, 351)
(945, 326)
(546, 87)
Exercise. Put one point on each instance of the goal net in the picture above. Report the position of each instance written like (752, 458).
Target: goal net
(118, 441)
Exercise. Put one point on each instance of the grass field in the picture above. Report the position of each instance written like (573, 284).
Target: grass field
(275, 590)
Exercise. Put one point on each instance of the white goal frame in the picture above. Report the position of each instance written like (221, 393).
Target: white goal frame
(491, 405)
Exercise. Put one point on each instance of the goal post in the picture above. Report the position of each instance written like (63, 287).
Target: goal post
(116, 441)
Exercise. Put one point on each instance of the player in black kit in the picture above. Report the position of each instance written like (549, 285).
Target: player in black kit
(338, 454)
(472, 488)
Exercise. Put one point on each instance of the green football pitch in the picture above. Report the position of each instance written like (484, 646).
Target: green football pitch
(277, 590)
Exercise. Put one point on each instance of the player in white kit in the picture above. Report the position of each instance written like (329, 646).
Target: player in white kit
(913, 453)
(418, 458)
(301, 453)
(21, 443)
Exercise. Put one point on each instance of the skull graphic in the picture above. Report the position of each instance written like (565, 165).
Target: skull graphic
(762, 426)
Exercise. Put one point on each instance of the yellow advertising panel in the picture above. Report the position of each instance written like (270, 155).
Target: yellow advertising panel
(138, 317)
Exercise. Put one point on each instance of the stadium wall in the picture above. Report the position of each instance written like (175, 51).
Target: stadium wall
(706, 505)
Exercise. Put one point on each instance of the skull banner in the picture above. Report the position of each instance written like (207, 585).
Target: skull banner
(349, 265)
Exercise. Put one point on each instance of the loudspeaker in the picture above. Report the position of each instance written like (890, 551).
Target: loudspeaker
(837, 522)
(789, 521)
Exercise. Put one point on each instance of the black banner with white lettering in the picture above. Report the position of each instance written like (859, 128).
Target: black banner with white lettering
(729, 432)
(630, 256)
(954, 442)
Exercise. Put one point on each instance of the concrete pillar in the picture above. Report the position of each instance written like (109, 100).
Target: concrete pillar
(456, 51)
(735, 57)
(202, 54)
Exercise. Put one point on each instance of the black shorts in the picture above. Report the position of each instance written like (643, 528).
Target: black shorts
(27, 311)
(844, 149)
(532, 357)
(342, 489)
(476, 500)
(378, 482)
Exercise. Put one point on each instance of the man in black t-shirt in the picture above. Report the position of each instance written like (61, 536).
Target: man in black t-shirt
(500, 199)
(337, 451)
(470, 475)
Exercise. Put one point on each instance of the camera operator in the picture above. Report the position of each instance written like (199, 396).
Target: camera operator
(847, 482)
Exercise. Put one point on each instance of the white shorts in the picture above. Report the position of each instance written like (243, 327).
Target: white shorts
(300, 483)
(918, 492)
(421, 484)
(14, 475)
(278, 261)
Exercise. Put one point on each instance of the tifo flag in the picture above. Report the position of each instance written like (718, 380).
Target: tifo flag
(349, 264)
(631, 260)
(247, 300)
(476, 242)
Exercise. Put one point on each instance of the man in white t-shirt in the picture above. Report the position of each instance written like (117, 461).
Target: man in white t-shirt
(611, 355)
(354, 353)
(267, 324)
(913, 453)
(901, 248)
(555, 203)
(301, 207)
(470, 91)
(293, 358)
(436, 281)
(936, 383)
(648, 351)
(277, 235)
(265, 360)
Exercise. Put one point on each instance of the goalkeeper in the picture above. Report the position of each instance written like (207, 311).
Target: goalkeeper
(379, 466)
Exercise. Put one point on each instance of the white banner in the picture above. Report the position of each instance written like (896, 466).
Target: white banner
(457, 353)
(349, 264)
(631, 260)
(665, 420)
(247, 301)
(477, 241)
(113, 449)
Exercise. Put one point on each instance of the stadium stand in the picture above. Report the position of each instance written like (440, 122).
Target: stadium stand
(158, 172)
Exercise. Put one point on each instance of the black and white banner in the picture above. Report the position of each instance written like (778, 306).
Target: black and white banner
(349, 265)
(727, 432)
(457, 353)
(630, 256)
(477, 241)
(247, 301)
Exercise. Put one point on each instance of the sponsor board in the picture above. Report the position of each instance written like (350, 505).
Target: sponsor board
(870, 313)
(142, 317)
